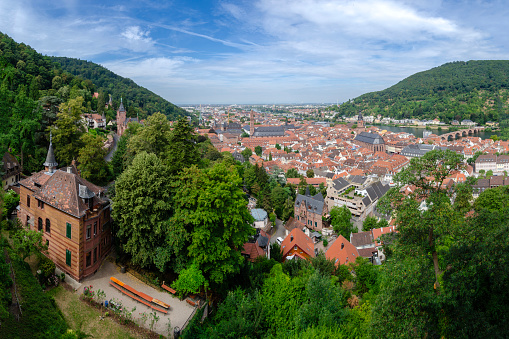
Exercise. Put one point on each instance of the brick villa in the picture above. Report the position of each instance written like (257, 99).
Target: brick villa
(73, 215)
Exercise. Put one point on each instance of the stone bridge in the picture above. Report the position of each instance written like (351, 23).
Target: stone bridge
(461, 133)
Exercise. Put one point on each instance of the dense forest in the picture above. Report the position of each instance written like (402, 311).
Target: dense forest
(139, 100)
(37, 95)
(475, 90)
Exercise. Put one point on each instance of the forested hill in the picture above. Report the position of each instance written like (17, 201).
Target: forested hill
(136, 98)
(476, 90)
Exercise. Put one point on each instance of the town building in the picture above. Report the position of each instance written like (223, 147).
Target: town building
(122, 119)
(94, 120)
(372, 141)
(260, 218)
(72, 214)
(11, 170)
(309, 210)
(297, 245)
(342, 251)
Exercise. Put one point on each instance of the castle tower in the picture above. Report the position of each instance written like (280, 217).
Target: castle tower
(121, 118)
(251, 123)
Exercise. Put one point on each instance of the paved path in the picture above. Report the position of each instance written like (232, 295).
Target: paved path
(279, 232)
(109, 156)
(178, 313)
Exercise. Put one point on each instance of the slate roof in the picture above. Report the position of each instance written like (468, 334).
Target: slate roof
(62, 191)
(313, 204)
(418, 150)
(370, 138)
(275, 131)
(358, 179)
(258, 214)
(375, 192)
(340, 183)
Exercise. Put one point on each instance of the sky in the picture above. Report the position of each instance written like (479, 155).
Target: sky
(262, 51)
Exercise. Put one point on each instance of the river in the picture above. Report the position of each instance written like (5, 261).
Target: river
(418, 131)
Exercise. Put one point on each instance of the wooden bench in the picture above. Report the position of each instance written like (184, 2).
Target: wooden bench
(137, 299)
(190, 302)
(140, 294)
(169, 289)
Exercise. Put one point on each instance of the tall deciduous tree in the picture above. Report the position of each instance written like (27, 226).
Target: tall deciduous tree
(141, 207)
(419, 225)
(182, 150)
(340, 221)
(68, 131)
(246, 153)
(24, 124)
(258, 150)
(212, 215)
(153, 137)
(92, 165)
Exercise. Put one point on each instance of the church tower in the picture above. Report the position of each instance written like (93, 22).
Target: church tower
(251, 124)
(360, 121)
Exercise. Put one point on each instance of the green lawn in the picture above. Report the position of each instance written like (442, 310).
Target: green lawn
(80, 316)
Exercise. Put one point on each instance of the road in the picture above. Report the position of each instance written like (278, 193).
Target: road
(109, 156)
(279, 232)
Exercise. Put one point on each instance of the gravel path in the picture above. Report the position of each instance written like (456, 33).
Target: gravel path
(178, 313)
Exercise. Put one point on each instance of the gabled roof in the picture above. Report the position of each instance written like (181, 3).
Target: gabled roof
(370, 138)
(313, 204)
(299, 239)
(361, 239)
(340, 183)
(342, 251)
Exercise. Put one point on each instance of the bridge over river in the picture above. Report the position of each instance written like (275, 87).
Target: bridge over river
(474, 131)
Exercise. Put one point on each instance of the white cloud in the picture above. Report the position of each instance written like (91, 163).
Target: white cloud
(137, 39)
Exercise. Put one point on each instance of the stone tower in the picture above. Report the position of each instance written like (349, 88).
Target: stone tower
(121, 118)
(251, 123)
(360, 121)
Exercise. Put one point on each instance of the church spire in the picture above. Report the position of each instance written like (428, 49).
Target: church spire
(51, 162)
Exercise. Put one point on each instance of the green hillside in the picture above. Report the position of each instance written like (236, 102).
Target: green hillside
(137, 99)
(476, 90)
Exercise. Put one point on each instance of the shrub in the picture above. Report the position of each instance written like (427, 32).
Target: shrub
(47, 267)
(325, 242)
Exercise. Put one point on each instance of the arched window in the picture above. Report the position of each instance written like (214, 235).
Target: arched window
(40, 224)
(48, 226)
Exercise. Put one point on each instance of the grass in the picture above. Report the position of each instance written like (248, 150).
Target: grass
(82, 317)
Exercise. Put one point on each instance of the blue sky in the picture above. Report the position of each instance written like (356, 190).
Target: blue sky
(262, 51)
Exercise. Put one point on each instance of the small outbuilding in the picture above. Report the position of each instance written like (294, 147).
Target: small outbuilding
(261, 217)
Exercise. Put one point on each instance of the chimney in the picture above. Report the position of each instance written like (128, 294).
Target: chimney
(69, 169)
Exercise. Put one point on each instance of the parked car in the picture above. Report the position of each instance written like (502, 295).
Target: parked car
(279, 240)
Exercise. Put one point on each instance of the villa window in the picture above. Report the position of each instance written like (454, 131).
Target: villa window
(68, 230)
(95, 255)
(39, 222)
(68, 257)
(88, 259)
(28, 201)
(48, 226)
(95, 228)
(89, 232)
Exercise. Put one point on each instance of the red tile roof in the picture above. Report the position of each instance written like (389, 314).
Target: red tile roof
(342, 251)
(299, 239)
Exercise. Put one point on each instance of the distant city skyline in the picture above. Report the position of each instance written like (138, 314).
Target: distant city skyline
(262, 51)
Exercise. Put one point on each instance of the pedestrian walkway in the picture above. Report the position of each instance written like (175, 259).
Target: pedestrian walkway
(178, 313)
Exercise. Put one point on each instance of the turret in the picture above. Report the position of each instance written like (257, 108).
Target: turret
(51, 163)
